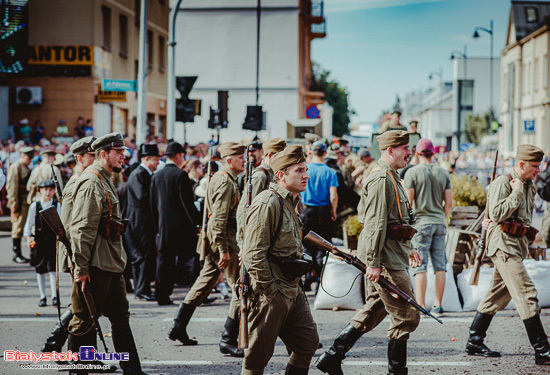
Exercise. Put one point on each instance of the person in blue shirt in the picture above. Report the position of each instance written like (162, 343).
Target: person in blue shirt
(319, 203)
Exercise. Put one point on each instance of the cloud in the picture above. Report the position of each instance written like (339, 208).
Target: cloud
(333, 6)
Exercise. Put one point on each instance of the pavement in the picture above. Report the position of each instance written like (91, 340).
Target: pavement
(432, 348)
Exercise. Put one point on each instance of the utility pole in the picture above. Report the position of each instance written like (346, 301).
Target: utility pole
(141, 109)
(171, 99)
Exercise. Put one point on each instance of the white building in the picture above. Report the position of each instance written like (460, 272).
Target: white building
(216, 41)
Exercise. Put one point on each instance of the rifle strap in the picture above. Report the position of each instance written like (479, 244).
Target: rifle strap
(396, 191)
(106, 191)
(266, 175)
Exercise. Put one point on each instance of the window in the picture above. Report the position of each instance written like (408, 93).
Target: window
(106, 27)
(162, 54)
(137, 8)
(150, 50)
(123, 35)
(531, 15)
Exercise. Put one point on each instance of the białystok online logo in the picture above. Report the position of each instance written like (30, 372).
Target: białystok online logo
(86, 353)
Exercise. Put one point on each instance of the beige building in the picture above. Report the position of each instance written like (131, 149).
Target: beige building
(525, 99)
(75, 45)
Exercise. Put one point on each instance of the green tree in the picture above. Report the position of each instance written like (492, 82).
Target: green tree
(476, 127)
(336, 96)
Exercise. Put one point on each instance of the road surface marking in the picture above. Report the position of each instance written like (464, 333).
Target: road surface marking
(409, 363)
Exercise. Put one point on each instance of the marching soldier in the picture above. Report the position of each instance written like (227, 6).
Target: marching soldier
(261, 178)
(222, 252)
(510, 203)
(273, 255)
(99, 259)
(16, 188)
(385, 248)
(41, 173)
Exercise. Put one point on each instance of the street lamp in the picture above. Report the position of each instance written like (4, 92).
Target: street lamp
(455, 54)
(476, 36)
(171, 98)
(441, 88)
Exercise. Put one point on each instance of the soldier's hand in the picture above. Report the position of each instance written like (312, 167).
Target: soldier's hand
(373, 273)
(485, 223)
(516, 184)
(415, 260)
(224, 260)
(83, 280)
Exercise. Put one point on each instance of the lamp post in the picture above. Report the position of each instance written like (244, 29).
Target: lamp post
(476, 36)
(440, 75)
(171, 99)
(455, 54)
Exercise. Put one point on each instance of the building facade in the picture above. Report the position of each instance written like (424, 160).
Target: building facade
(74, 46)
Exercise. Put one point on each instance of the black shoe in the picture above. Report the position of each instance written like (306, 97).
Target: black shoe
(330, 361)
(179, 328)
(20, 259)
(397, 357)
(293, 370)
(229, 342)
(165, 302)
(58, 335)
(146, 297)
(538, 339)
(42, 302)
(478, 331)
(55, 302)
(208, 300)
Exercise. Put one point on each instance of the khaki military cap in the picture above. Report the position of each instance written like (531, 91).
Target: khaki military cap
(83, 145)
(310, 137)
(393, 138)
(111, 140)
(529, 153)
(26, 150)
(289, 156)
(231, 148)
(47, 151)
(274, 145)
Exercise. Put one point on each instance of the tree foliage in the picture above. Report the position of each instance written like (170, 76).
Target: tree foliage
(476, 127)
(336, 96)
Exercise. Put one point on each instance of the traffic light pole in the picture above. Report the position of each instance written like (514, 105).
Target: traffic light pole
(141, 109)
(171, 97)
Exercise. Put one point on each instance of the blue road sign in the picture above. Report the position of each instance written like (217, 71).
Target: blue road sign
(529, 126)
(118, 85)
(312, 112)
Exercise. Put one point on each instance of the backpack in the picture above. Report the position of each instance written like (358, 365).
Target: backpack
(543, 184)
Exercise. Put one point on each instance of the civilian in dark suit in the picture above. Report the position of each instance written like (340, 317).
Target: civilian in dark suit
(141, 234)
(176, 219)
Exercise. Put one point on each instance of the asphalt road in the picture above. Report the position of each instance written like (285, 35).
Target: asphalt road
(433, 348)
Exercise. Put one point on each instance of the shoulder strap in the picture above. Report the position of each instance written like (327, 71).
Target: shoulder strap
(266, 175)
(395, 188)
(235, 188)
(279, 224)
(106, 191)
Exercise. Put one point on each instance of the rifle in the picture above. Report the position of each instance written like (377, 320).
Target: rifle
(51, 217)
(480, 247)
(316, 240)
(205, 212)
(57, 186)
(244, 278)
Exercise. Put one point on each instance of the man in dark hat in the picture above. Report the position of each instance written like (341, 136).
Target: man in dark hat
(222, 198)
(140, 237)
(386, 250)
(98, 256)
(510, 201)
(41, 173)
(175, 219)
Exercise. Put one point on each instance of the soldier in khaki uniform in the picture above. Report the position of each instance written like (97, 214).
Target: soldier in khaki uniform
(278, 307)
(42, 172)
(261, 178)
(222, 251)
(511, 200)
(16, 188)
(98, 257)
(383, 211)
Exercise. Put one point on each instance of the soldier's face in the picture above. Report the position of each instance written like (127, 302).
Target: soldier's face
(295, 180)
(88, 159)
(401, 156)
(47, 193)
(236, 163)
(529, 170)
(115, 158)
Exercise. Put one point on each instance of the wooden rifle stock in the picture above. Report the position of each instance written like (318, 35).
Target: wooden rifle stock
(316, 240)
(51, 217)
(481, 245)
(205, 212)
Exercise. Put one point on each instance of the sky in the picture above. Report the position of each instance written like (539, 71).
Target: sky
(378, 49)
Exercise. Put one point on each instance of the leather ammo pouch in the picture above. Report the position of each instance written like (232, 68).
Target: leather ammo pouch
(401, 232)
(515, 229)
(112, 229)
(290, 267)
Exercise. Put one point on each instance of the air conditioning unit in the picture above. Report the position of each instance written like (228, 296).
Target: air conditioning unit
(28, 95)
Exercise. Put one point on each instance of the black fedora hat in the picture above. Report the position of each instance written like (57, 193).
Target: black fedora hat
(148, 150)
(174, 148)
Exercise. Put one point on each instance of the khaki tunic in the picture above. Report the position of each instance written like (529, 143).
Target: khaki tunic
(510, 278)
(89, 205)
(66, 215)
(16, 190)
(260, 182)
(40, 173)
(278, 306)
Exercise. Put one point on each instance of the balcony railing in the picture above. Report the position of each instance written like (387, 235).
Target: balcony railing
(317, 8)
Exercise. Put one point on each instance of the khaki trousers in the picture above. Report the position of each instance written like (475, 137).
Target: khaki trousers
(18, 220)
(510, 281)
(208, 279)
(287, 318)
(379, 303)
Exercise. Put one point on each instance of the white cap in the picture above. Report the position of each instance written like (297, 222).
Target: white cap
(24, 121)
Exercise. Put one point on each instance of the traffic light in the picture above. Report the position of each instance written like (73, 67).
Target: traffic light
(215, 119)
(223, 97)
(186, 109)
(254, 118)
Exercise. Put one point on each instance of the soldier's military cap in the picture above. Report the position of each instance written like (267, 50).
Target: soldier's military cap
(289, 156)
(26, 150)
(393, 138)
(111, 140)
(47, 184)
(83, 145)
(256, 145)
(529, 153)
(69, 158)
(59, 159)
(174, 148)
(48, 151)
(310, 137)
(231, 148)
(274, 145)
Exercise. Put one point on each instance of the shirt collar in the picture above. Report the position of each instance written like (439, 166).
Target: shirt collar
(286, 194)
(147, 169)
(229, 172)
